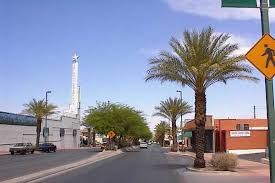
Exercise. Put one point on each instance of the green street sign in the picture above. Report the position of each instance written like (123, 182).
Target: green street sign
(240, 3)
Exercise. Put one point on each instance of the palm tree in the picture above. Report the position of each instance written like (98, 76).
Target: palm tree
(200, 60)
(171, 109)
(161, 130)
(38, 109)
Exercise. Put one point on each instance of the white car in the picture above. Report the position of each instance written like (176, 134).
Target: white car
(143, 145)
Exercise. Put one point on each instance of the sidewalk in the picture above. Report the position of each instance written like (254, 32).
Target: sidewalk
(4, 152)
(245, 168)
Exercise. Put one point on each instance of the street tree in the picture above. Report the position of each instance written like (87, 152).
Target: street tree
(38, 109)
(161, 129)
(125, 121)
(171, 109)
(200, 60)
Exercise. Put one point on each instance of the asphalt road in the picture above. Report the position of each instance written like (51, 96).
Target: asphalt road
(150, 165)
(12, 166)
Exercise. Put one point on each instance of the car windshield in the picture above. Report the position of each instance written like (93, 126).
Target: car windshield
(19, 144)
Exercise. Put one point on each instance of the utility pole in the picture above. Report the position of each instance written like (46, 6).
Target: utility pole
(181, 121)
(46, 131)
(269, 96)
(254, 111)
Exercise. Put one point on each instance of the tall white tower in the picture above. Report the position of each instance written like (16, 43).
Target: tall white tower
(75, 105)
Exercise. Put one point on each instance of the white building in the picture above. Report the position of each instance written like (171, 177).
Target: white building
(15, 128)
(64, 131)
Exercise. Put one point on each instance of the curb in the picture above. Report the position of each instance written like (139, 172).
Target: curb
(187, 155)
(130, 149)
(210, 171)
(265, 161)
(39, 176)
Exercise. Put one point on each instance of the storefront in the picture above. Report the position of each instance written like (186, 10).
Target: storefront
(190, 126)
(241, 136)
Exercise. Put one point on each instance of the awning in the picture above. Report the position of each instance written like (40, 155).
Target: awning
(184, 134)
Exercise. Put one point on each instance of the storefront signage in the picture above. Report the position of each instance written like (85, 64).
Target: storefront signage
(239, 133)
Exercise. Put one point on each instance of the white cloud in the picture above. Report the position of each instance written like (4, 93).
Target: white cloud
(212, 8)
(148, 51)
(244, 44)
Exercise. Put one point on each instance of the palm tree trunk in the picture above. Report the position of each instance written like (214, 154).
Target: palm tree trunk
(174, 135)
(38, 131)
(200, 119)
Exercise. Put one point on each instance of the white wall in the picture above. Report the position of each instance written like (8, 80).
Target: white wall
(10, 134)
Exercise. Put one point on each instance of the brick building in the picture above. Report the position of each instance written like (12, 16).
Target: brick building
(240, 136)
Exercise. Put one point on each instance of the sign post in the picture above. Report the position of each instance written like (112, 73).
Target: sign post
(263, 60)
(111, 135)
(269, 98)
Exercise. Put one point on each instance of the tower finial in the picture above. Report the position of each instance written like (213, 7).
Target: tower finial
(75, 57)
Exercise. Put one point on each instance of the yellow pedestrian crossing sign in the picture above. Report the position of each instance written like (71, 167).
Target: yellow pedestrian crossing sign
(111, 134)
(262, 56)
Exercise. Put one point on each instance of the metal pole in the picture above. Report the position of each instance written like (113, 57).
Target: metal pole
(181, 121)
(46, 116)
(46, 107)
(269, 96)
(254, 111)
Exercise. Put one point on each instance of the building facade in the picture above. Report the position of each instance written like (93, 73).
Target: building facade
(16, 128)
(239, 136)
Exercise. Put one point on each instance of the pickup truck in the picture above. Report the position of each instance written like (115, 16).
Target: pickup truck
(22, 148)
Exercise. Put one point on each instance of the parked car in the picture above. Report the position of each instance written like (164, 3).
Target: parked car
(149, 143)
(22, 148)
(143, 145)
(47, 147)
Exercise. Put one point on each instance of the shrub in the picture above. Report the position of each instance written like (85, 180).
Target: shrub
(111, 147)
(224, 161)
(123, 143)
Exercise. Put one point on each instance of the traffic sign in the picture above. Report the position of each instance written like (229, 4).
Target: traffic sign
(240, 3)
(111, 134)
(262, 56)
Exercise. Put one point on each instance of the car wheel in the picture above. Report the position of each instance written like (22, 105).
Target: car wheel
(12, 153)
(48, 150)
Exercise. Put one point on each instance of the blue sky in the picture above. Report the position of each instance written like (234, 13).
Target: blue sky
(115, 39)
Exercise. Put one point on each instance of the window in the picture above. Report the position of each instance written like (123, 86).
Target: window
(246, 126)
(242, 127)
(74, 132)
(62, 132)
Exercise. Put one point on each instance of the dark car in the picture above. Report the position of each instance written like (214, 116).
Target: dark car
(47, 147)
(22, 148)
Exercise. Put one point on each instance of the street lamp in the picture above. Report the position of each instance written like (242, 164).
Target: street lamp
(46, 116)
(181, 119)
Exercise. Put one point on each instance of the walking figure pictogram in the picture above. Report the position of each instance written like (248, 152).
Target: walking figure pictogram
(270, 53)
